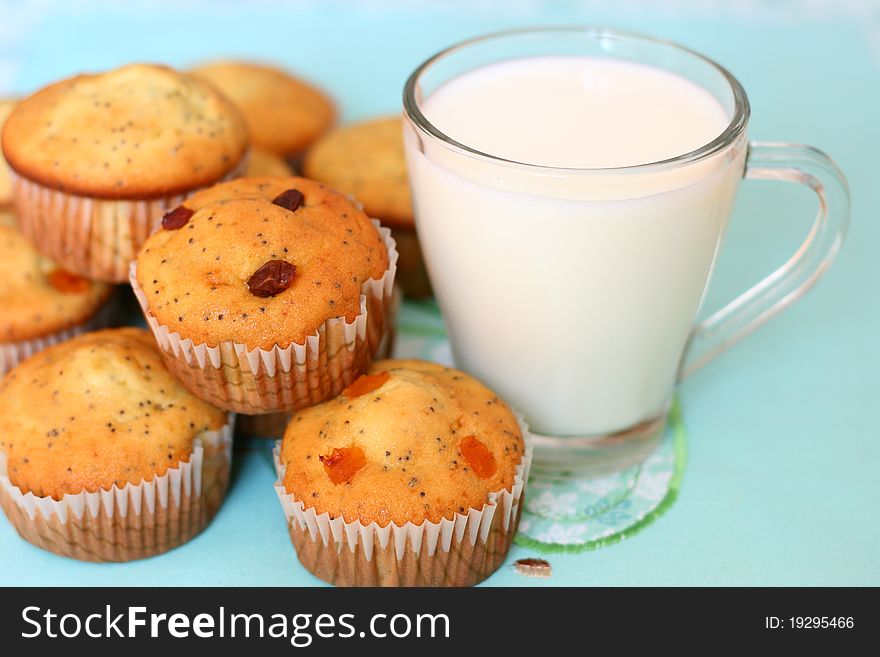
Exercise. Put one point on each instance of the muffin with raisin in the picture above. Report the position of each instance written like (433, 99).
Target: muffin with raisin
(266, 294)
(366, 160)
(104, 456)
(42, 303)
(97, 159)
(285, 114)
(411, 477)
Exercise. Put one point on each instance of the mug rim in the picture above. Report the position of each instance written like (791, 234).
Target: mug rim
(735, 127)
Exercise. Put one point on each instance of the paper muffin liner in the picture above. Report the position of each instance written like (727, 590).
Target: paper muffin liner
(93, 237)
(272, 425)
(386, 345)
(12, 353)
(461, 551)
(255, 381)
(131, 522)
(412, 273)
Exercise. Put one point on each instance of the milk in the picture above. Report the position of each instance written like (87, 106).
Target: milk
(572, 293)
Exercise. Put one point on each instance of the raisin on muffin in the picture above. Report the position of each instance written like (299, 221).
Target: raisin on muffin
(100, 416)
(42, 303)
(366, 160)
(98, 159)
(266, 294)
(411, 443)
(284, 113)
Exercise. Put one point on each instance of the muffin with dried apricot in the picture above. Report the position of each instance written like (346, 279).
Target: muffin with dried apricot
(285, 114)
(366, 160)
(266, 294)
(98, 159)
(42, 303)
(413, 476)
(104, 456)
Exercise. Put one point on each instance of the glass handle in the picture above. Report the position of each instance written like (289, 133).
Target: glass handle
(792, 163)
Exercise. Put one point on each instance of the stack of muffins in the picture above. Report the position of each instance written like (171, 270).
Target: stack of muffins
(267, 295)
(42, 303)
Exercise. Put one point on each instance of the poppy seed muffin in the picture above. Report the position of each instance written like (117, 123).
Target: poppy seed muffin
(366, 160)
(198, 285)
(264, 163)
(303, 258)
(409, 443)
(285, 115)
(98, 158)
(42, 303)
(67, 425)
(101, 413)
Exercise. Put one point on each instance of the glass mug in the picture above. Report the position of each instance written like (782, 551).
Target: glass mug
(573, 292)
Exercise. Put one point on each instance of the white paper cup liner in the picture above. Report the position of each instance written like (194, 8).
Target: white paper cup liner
(131, 522)
(461, 551)
(12, 353)
(386, 346)
(93, 237)
(254, 381)
(412, 274)
(272, 425)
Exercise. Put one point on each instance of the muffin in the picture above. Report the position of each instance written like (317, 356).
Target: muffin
(366, 160)
(264, 163)
(5, 181)
(413, 476)
(42, 303)
(98, 159)
(267, 294)
(103, 455)
(285, 115)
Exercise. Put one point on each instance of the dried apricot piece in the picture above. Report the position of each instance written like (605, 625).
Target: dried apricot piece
(365, 384)
(343, 463)
(478, 456)
(68, 282)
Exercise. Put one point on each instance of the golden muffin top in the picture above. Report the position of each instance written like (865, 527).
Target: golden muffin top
(94, 411)
(366, 160)
(260, 261)
(38, 297)
(407, 442)
(5, 183)
(266, 163)
(140, 131)
(285, 114)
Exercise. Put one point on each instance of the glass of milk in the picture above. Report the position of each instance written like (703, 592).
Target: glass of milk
(571, 190)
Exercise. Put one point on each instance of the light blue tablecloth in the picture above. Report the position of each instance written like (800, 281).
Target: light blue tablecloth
(781, 485)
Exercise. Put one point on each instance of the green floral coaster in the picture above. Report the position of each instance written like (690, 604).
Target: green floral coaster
(566, 513)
